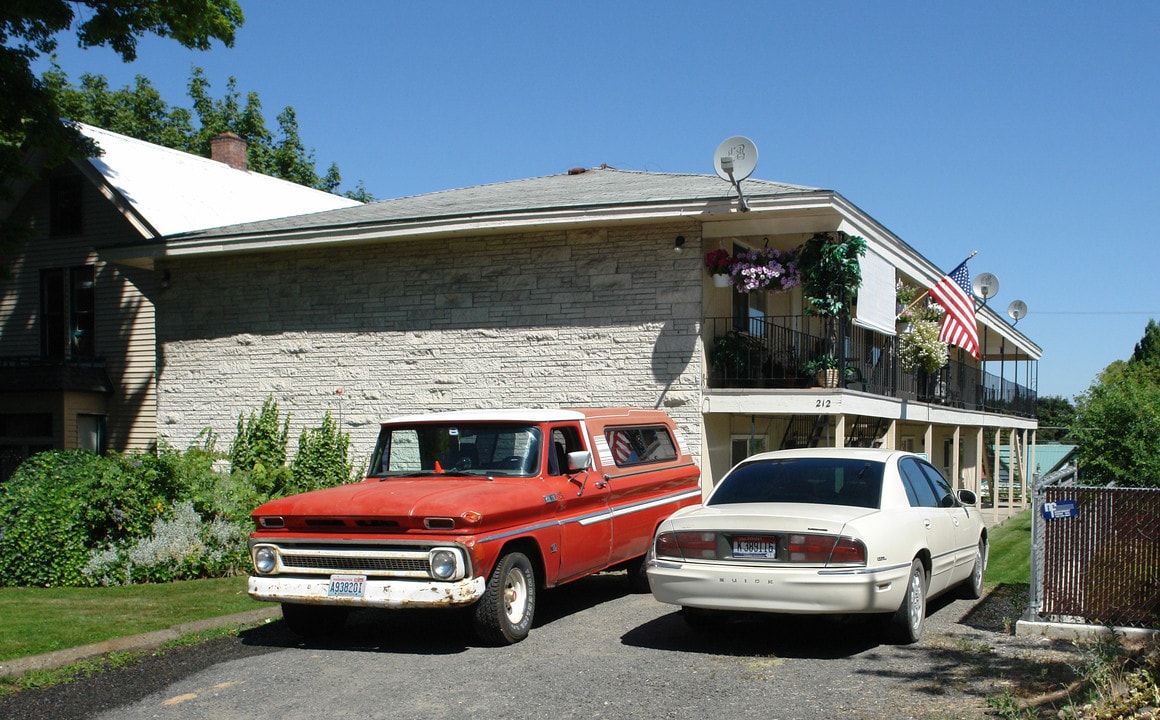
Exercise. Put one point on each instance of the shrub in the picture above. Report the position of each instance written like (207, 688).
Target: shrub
(260, 440)
(322, 459)
(60, 503)
(180, 546)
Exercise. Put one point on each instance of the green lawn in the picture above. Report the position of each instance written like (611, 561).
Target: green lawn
(1010, 560)
(40, 620)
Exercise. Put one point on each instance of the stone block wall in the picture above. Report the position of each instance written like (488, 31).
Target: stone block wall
(607, 317)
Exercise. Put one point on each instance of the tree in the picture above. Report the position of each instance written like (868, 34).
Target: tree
(140, 112)
(1118, 420)
(29, 115)
(1056, 415)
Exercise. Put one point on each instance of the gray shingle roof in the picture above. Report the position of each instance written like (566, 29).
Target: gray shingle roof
(599, 187)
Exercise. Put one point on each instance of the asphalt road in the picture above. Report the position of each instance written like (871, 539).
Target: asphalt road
(595, 652)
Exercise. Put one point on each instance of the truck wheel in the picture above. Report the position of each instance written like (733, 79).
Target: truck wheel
(910, 617)
(503, 615)
(313, 620)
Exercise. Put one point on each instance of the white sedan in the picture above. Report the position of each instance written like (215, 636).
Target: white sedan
(822, 531)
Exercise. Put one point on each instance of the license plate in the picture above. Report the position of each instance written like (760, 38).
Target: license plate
(347, 586)
(754, 546)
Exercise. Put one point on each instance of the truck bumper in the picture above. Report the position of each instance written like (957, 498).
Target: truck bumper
(393, 593)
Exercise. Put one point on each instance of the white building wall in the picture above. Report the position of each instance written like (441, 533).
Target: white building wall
(606, 318)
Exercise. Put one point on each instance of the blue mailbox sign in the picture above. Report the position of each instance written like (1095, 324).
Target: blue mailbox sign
(1059, 509)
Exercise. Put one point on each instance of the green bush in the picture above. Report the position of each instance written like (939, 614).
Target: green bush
(322, 459)
(58, 504)
(74, 518)
(180, 546)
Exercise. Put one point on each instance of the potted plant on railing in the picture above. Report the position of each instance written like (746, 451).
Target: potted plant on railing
(824, 368)
(764, 270)
(718, 262)
(830, 278)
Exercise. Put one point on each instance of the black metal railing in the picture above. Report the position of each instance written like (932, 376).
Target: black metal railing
(775, 352)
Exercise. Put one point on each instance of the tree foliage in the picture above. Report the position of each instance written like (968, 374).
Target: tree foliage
(29, 114)
(1056, 416)
(1117, 420)
(139, 111)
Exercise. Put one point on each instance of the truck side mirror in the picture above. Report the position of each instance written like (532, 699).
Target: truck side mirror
(579, 460)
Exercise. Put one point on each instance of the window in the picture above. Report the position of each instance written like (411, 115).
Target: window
(744, 446)
(91, 433)
(918, 489)
(65, 215)
(565, 439)
(640, 445)
(67, 312)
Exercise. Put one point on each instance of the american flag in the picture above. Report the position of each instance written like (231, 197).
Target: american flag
(622, 450)
(959, 326)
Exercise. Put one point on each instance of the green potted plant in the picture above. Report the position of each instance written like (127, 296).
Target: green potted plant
(736, 355)
(830, 278)
(824, 368)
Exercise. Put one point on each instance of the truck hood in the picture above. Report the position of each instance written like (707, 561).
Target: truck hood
(403, 503)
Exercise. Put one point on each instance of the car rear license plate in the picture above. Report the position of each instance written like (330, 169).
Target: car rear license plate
(347, 586)
(754, 546)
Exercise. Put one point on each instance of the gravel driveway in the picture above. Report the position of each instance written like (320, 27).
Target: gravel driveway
(596, 652)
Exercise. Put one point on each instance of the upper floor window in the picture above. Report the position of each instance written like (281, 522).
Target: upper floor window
(67, 312)
(64, 205)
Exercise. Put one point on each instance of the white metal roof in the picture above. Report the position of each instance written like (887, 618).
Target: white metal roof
(176, 192)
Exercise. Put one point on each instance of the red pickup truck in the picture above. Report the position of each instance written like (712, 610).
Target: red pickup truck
(476, 508)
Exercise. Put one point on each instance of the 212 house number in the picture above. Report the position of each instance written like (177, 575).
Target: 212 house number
(821, 403)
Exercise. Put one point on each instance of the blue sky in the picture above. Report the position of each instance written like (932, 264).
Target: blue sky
(1026, 131)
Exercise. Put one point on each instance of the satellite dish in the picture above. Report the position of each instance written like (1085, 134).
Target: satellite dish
(735, 159)
(1017, 310)
(986, 286)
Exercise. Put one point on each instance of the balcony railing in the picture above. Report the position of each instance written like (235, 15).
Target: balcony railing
(772, 352)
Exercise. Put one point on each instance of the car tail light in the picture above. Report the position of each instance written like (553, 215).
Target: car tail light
(831, 549)
(687, 545)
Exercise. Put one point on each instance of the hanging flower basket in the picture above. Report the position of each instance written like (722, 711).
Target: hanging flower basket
(721, 280)
(764, 270)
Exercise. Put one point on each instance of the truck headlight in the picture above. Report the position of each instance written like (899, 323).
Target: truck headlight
(444, 564)
(265, 559)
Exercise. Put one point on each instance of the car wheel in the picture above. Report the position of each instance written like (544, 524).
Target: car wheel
(313, 620)
(703, 620)
(504, 614)
(973, 586)
(638, 576)
(910, 617)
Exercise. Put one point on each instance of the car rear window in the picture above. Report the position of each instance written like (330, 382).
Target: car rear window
(828, 481)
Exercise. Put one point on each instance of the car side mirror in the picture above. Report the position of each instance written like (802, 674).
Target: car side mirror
(968, 497)
(579, 460)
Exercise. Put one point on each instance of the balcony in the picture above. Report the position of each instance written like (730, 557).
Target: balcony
(772, 353)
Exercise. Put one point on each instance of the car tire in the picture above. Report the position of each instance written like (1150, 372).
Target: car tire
(503, 615)
(313, 620)
(702, 620)
(972, 587)
(638, 576)
(910, 618)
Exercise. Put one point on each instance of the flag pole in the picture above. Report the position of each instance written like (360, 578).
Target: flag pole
(927, 291)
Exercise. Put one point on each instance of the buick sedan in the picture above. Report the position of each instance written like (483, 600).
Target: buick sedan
(822, 531)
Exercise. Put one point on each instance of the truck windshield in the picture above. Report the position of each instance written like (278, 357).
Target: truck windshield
(463, 448)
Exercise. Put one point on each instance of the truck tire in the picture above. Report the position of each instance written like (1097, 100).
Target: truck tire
(313, 620)
(503, 616)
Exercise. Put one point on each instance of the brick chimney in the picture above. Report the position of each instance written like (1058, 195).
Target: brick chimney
(230, 149)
